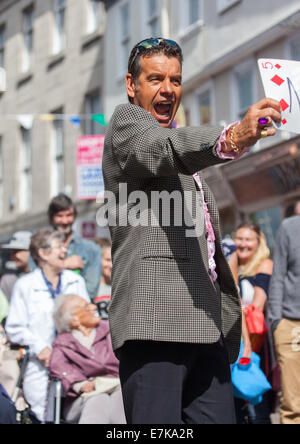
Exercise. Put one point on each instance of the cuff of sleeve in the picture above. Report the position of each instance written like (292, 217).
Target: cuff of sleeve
(222, 139)
(77, 386)
(38, 347)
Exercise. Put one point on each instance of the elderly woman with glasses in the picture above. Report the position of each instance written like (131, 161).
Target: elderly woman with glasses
(84, 361)
(30, 319)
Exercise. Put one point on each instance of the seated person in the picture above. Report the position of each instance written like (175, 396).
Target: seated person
(83, 359)
(30, 318)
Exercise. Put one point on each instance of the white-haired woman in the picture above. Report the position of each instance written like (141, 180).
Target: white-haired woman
(83, 359)
(30, 319)
(253, 267)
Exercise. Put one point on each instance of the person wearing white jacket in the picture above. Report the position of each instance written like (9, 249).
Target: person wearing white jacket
(30, 319)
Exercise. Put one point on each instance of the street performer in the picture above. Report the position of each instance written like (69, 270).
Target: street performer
(175, 312)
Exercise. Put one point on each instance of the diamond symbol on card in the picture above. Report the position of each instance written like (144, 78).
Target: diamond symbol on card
(278, 66)
(284, 122)
(278, 80)
(284, 105)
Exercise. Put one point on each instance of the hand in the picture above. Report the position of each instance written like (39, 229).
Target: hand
(247, 351)
(248, 132)
(44, 356)
(88, 387)
(73, 262)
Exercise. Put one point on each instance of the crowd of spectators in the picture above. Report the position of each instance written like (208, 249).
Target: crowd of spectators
(56, 304)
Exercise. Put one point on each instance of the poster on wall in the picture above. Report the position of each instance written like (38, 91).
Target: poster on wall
(89, 166)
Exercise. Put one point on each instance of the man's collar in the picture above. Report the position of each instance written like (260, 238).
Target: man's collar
(74, 237)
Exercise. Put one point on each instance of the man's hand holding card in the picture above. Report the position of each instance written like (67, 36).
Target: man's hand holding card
(281, 81)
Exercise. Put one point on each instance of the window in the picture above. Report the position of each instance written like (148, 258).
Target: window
(59, 39)
(1, 179)
(244, 89)
(295, 50)
(194, 12)
(245, 92)
(28, 23)
(25, 190)
(92, 106)
(93, 16)
(57, 155)
(205, 108)
(125, 35)
(153, 22)
(190, 13)
(2, 45)
(223, 5)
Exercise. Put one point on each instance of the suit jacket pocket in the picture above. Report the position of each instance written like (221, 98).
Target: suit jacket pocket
(167, 243)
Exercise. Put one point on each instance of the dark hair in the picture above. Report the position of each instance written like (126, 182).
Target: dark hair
(103, 242)
(134, 61)
(61, 202)
(42, 240)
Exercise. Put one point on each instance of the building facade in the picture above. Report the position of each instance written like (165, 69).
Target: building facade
(52, 53)
(66, 58)
(221, 41)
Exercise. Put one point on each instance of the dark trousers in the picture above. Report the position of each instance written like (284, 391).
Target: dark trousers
(8, 413)
(175, 383)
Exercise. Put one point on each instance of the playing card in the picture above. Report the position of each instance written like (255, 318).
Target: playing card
(281, 81)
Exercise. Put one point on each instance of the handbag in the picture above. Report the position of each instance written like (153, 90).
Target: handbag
(248, 380)
(257, 327)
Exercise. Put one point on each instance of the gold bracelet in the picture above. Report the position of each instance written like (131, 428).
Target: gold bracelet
(232, 142)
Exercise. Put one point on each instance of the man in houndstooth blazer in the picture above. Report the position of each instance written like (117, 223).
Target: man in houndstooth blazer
(173, 326)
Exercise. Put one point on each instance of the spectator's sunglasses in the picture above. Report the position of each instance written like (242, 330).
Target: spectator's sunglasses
(146, 44)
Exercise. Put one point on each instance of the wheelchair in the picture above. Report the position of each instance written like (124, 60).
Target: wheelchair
(55, 401)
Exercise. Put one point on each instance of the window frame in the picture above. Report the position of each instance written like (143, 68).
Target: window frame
(225, 5)
(25, 183)
(92, 16)
(57, 181)
(288, 46)
(92, 127)
(2, 44)
(28, 38)
(242, 68)
(123, 40)
(58, 32)
(185, 28)
(149, 19)
(210, 88)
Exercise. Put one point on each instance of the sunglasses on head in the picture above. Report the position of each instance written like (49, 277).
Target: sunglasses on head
(146, 44)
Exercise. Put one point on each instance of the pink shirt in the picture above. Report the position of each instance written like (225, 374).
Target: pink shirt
(211, 246)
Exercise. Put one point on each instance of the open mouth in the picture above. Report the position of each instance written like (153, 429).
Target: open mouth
(163, 110)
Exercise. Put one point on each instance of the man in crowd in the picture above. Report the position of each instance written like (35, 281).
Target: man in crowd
(83, 255)
(284, 316)
(19, 248)
(175, 313)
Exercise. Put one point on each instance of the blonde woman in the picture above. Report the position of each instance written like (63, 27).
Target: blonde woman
(252, 267)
